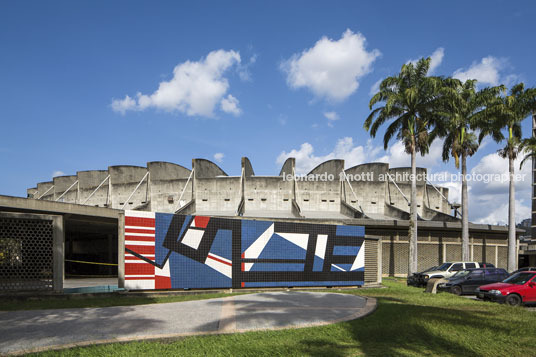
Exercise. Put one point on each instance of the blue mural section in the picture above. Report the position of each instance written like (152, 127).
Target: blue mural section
(209, 252)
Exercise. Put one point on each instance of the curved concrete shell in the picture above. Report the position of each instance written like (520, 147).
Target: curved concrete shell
(64, 188)
(288, 167)
(206, 169)
(129, 186)
(93, 187)
(45, 190)
(248, 169)
(167, 182)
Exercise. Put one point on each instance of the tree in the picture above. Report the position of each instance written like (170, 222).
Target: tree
(462, 108)
(410, 100)
(528, 147)
(505, 116)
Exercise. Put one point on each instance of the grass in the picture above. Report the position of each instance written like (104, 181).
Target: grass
(407, 322)
(10, 304)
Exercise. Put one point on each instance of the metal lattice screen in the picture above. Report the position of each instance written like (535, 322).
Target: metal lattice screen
(429, 255)
(26, 259)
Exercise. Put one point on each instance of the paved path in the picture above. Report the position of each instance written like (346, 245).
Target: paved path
(24, 331)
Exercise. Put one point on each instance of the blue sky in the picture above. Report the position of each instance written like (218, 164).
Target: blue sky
(222, 80)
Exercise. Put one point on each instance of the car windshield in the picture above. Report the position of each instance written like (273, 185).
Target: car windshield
(444, 266)
(518, 279)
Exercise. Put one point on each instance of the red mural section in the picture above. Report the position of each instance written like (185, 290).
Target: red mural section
(140, 239)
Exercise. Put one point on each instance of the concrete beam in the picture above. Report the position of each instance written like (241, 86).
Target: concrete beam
(19, 204)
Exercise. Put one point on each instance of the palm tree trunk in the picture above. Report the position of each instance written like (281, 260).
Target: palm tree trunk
(465, 213)
(512, 254)
(412, 268)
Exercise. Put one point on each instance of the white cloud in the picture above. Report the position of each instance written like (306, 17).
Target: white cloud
(396, 155)
(230, 105)
(488, 190)
(58, 173)
(243, 69)
(491, 198)
(357, 154)
(331, 117)
(219, 156)
(122, 105)
(331, 69)
(195, 89)
(306, 160)
(486, 71)
(435, 59)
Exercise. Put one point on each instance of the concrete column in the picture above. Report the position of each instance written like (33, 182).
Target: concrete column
(472, 249)
(121, 250)
(58, 255)
(496, 255)
(379, 260)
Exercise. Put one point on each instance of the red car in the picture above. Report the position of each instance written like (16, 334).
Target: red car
(514, 290)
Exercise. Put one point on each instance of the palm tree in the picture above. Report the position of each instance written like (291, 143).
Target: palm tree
(410, 100)
(528, 147)
(462, 108)
(506, 115)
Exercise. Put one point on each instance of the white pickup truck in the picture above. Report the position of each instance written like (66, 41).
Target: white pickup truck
(445, 270)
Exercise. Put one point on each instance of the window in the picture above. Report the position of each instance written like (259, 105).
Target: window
(470, 265)
(477, 275)
(456, 267)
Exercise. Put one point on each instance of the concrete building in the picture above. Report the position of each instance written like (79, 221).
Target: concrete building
(91, 206)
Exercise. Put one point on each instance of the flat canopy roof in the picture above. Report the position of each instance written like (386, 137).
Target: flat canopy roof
(21, 204)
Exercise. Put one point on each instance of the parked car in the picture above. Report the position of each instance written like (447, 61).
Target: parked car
(515, 290)
(445, 270)
(413, 279)
(524, 269)
(467, 281)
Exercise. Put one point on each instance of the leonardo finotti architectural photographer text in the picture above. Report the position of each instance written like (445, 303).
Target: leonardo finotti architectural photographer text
(406, 176)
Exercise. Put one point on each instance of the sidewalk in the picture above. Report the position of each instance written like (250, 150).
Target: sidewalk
(25, 331)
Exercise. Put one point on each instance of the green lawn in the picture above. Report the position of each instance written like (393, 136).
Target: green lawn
(9, 304)
(407, 322)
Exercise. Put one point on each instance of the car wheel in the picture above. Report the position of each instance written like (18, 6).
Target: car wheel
(456, 290)
(513, 300)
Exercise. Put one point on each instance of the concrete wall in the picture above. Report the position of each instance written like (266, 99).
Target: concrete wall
(220, 194)
(124, 180)
(401, 176)
(324, 192)
(167, 182)
(88, 181)
(270, 193)
(64, 189)
(370, 193)
(42, 188)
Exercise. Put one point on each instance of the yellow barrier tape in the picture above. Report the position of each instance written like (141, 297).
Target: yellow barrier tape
(83, 262)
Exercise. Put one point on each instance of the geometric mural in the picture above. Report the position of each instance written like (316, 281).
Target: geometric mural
(168, 251)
